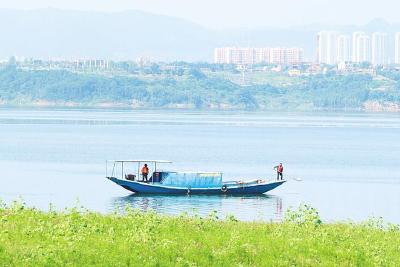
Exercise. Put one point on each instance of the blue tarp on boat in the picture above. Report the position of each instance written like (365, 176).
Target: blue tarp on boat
(192, 180)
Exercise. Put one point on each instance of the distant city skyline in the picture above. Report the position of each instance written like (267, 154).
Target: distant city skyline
(134, 34)
(374, 48)
(232, 14)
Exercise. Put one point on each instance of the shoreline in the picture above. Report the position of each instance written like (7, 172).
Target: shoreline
(126, 107)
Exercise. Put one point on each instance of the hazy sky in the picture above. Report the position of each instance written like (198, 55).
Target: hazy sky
(243, 13)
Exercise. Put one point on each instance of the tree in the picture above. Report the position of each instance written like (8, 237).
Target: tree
(197, 74)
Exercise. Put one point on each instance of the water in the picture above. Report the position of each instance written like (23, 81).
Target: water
(348, 163)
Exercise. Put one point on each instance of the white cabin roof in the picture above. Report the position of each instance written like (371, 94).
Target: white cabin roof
(141, 160)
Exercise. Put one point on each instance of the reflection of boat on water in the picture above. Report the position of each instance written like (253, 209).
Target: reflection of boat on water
(170, 182)
(243, 207)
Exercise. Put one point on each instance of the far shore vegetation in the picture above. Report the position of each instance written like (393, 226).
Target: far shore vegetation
(199, 86)
(76, 237)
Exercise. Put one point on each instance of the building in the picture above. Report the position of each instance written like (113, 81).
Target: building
(99, 64)
(247, 56)
(221, 55)
(397, 49)
(293, 56)
(266, 55)
(332, 48)
(354, 53)
(234, 55)
(326, 47)
(362, 49)
(379, 49)
(263, 55)
(343, 49)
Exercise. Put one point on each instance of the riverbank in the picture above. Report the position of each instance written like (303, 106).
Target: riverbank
(195, 90)
(82, 238)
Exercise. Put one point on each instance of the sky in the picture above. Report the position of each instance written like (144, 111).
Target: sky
(222, 14)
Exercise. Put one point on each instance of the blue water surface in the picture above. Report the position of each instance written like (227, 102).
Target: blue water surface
(348, 162)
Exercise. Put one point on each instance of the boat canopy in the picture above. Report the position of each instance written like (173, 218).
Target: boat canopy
(119, 164)
(141, 160)
(193, 179)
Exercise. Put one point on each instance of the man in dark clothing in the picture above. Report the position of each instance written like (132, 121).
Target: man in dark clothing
(279, 171)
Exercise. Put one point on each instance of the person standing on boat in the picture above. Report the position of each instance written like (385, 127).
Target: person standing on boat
(145, 172)
(279, 171)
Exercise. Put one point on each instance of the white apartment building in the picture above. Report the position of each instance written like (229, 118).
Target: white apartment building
(362, 49)
(293, 56)
(378, 49)
(343, 49)
(221, 55)
(397, 49)
(233, 55)
(248, 56)
(263, 55)
(354, 53)
(326, 47)
(334, 48)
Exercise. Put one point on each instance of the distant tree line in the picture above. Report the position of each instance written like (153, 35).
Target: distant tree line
(191, 88)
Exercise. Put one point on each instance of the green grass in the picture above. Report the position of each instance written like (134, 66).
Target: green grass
(29, 237)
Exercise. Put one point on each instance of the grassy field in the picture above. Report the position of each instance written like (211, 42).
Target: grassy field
(79, 238)
(271, 78)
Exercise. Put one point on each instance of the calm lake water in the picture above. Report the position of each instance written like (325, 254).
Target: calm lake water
(349, 163)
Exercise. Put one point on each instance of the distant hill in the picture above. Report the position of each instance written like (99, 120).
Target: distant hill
(127, 35)
(53, 32)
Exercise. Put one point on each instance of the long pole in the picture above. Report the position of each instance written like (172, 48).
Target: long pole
(155, 169)
(138, 170)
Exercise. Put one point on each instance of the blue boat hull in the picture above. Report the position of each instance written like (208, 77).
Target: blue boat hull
(147, 188)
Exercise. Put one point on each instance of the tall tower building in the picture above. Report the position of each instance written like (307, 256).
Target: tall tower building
(397, 49)
(362, 49)
(343, 49)
(326, 51)
(354, 45)
(379, 49)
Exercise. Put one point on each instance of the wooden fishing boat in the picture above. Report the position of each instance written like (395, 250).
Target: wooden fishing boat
(172, 182)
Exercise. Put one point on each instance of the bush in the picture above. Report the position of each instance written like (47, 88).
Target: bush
(303, 215)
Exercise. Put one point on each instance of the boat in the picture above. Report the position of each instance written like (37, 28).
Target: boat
(185, 182)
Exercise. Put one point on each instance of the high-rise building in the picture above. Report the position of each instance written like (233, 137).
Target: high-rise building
(343, 49)
(248, 56)
(379, 49)
(354, 53)
(326, 47)
(362, 49)
(220, 55)
(293, 56)
(234, 55)
(277, 55)
(397, 49)
(263, 55)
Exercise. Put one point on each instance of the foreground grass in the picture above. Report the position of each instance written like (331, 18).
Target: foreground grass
(33, 238)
